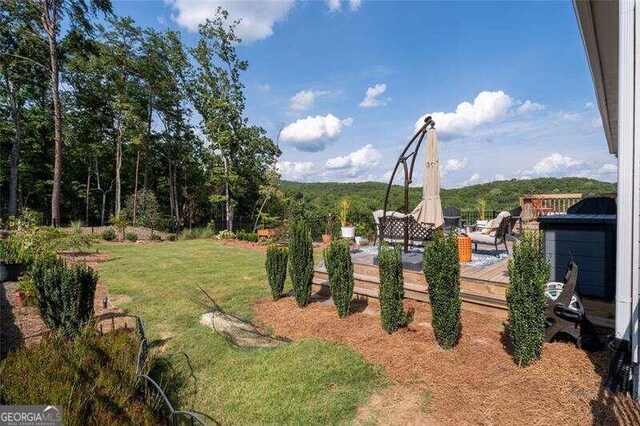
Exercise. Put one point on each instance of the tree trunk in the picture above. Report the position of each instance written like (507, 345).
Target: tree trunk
(147, 141)
(49, 22)
(15, 148)
(118, 200)
(135, 189)
(86, 205)
(227, 204)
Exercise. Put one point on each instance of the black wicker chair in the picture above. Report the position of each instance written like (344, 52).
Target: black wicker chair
(392, 230)
(452, 218)
(516, 220)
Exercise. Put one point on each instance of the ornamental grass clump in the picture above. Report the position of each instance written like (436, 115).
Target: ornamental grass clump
(301, 261)
(276, 265)
(340, 270)
(442, 272)
(391, 289)
(528, 275)
(64, 293)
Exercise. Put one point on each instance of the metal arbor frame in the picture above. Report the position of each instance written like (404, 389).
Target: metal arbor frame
(408, 178)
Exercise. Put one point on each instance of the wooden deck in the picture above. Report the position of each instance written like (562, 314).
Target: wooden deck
(482, 289)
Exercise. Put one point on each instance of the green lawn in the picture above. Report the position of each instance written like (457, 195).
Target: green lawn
(308, 381)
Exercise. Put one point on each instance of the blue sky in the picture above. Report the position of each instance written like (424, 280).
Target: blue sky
(507, 83)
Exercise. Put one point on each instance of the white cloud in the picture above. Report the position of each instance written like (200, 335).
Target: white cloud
(570, 116)
(372, 97)
(257, 20)
(334, 5)
(596, 121)
(312, 134)
(355, 5)
(454, 164)
(295, 171)
(529, 106)
(305, 99)
(609, 168)
(588, 105)
(473, 179)
(366, 157)
(499, 176)
(554, 163)
(486, 107)
(264, 87)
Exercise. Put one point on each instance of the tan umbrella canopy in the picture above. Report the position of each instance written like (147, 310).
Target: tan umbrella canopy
(429, 211)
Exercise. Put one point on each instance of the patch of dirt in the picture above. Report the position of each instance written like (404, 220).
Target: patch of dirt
(245, 245)
(475, 383)
(91, 259)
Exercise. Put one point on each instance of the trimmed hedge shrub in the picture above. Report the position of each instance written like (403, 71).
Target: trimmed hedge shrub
(301, 261)
(108, 234)
(528, 275)
(442, 272)
(340, 270)
(64, 293)
(391, 289)
(276, 265)
(247, 236)
(131, 236)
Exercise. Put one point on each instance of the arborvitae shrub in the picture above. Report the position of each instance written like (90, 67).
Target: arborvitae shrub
(64, 293)
(340, 270)
(442, 272)
(391, 289)
(528, 275)
(276, 266)
(301, 261)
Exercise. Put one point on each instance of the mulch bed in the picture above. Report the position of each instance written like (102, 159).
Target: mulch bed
(475, 383)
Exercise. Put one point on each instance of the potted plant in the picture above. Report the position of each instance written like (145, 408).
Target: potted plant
(361, 234)
(348, 231)
(327, 237)
(481, 207)
(10, 260)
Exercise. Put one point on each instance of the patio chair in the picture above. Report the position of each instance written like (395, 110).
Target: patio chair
(391, 228)
(566, 315)
(452, 218)
(494, 234)
(516, 220)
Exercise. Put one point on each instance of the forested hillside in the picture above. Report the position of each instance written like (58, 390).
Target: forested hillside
(368, 196)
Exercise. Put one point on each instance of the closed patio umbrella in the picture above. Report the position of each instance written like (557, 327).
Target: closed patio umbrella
(429, 211)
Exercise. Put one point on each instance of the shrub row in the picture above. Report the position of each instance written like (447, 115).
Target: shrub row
(247, 236)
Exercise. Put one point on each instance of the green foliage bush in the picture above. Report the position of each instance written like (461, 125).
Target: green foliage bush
(172, 237)
(391, 289)
(109, 234)
(528, 274)
(197, 233)
(226, 235)
(276, 265)
(93, 376)
(10, 250)
(120, 222)
(131, 236)
(247, 236)
(340, 270)
(155, 237)
(64, 293)
(442, 272)
(301, 261)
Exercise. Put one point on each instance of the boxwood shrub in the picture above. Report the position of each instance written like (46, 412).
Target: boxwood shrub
(337, 259)
(528, 276)
(442, 272)
(301, 261)
(64, 293)
(276, 265)
(391, 289)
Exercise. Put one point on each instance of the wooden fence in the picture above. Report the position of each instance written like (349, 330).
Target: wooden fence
(536, 205)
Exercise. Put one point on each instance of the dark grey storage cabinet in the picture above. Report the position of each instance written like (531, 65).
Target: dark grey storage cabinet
(591, 239)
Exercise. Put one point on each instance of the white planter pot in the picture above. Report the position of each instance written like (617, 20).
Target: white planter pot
(348, 232)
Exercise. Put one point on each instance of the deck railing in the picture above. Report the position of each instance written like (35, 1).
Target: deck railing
(536, 205)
